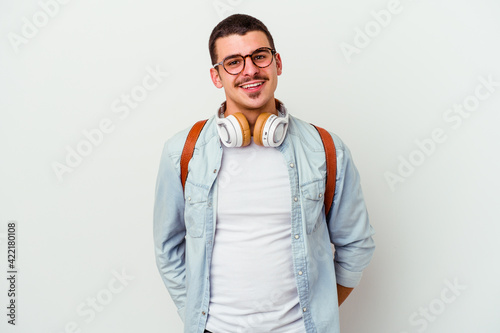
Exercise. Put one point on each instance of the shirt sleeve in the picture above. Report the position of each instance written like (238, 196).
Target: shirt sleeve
(169, 229)
(348, 222)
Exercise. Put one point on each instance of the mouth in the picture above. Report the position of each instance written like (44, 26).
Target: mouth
(252, 86)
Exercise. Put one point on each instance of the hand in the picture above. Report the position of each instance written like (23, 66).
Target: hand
(342, 293)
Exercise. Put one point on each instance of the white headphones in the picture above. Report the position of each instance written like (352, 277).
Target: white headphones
(269, 131)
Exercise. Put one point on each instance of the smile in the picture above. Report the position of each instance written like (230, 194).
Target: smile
(252, 86)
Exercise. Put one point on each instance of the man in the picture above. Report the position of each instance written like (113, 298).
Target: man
(245, 246)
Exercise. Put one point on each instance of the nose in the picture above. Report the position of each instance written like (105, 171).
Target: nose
(250, 68)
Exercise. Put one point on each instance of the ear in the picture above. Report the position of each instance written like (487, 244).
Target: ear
(214, 74)
(279, 64)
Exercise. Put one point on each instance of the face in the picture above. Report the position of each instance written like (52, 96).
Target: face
(239, 97)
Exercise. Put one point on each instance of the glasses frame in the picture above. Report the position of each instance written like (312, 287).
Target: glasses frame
(273, 53)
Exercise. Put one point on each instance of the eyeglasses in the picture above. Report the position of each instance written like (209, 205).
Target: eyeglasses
(234, 64)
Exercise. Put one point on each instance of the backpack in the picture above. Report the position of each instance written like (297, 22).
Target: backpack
(326, 138)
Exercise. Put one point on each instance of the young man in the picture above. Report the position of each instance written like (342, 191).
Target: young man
(245, 246)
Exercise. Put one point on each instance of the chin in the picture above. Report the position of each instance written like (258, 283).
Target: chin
(257, 101)
(255, 104)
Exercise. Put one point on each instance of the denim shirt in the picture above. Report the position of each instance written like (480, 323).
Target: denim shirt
(184, 225)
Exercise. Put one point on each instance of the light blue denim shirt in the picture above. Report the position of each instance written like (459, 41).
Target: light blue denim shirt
(184, 225)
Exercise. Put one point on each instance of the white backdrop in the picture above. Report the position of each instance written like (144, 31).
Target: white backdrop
(90, 90)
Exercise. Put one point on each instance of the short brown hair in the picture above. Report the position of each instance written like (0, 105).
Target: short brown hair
(237, 24)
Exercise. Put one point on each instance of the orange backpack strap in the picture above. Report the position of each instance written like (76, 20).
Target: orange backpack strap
(331, 167)
(188, 150)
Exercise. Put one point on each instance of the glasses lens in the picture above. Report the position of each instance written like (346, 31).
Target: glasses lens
(234, 65)
(262, 58)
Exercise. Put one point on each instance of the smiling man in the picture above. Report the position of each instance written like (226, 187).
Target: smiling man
(244, 244)
(249, 82)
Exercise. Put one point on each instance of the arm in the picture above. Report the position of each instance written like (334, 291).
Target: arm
(349, 226)
(169, 230)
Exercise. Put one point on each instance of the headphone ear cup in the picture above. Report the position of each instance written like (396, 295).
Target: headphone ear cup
(245, 128)
(258, 130)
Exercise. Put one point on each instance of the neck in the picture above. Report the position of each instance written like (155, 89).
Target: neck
(251, 114)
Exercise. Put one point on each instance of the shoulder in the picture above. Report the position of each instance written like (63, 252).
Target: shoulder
(174, 145)
(309, 136)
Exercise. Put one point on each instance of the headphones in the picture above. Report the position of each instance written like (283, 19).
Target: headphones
(269, 130)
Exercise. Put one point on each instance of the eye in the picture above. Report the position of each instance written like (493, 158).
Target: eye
(261, 55)
(232, 62)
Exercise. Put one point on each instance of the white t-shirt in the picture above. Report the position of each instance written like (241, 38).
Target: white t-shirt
(253, 287)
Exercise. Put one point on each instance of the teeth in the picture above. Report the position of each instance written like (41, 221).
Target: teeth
(251, 85)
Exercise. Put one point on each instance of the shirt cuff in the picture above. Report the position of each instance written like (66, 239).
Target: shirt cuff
(347, 278)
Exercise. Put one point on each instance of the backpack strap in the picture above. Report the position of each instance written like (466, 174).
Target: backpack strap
(188, 150)
(331, 167)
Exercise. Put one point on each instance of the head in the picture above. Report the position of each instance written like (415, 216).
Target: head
(237, 24)
(242, 35)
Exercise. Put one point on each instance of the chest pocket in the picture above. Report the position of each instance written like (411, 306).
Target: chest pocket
(313, 204)
(195, 209)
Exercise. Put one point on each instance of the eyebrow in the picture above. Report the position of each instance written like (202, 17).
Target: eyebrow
(233, 55)
(239, 54)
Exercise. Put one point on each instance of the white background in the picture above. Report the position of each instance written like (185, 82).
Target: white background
(441, 224)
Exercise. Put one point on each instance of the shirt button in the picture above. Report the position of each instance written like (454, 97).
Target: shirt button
(209, 204)
(295, 199)
(304, 309)
(292, 165)
(300, 272)
(189, 198)
(215, 170)
(203, 312)
(320, 195)
(296, 236)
